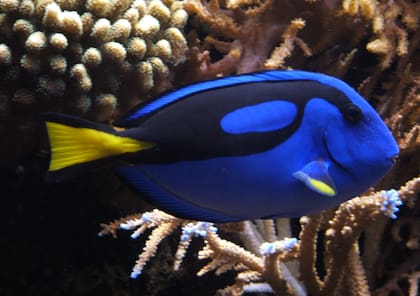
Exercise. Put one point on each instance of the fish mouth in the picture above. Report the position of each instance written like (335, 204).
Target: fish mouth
(394, 158)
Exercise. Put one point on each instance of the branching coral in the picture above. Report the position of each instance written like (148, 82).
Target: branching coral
(405, 110)
(224, 255)
(396, 275)
(263, 260)
(241, 36)
(341, 237)
(244, 34)
(391, 24)
(97, 58)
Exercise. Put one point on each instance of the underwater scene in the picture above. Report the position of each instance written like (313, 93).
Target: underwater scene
(210, 147)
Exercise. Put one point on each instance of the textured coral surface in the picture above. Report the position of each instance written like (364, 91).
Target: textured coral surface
(93, 58)
(98, 58)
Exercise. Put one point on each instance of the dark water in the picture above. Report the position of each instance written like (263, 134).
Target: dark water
(49, 243)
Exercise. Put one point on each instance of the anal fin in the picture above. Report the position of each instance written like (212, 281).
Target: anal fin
(166, 200)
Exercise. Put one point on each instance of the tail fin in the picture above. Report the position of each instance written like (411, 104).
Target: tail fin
(77, 142)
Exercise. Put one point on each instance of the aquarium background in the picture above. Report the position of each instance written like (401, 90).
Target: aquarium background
(99, 58)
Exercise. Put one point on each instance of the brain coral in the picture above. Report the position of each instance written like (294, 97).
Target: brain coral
(87, 57)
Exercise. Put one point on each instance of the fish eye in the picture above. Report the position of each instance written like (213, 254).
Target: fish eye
(352, 113)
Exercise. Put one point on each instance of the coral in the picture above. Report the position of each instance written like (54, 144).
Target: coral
(64, 50)
(97, 58)
(371, 43)
(224, 255)
(97, 35)
(241, 34)
(251, 33)
(285, 49)
(391, 25)
(265, 260)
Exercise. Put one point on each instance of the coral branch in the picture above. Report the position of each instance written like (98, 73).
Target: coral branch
(308, 237)
(282, 52)
(355, 274)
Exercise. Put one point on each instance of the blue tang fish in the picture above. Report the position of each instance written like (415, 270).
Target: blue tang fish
(259, 145)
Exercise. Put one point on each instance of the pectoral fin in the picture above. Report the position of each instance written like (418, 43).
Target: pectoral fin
(316, 177)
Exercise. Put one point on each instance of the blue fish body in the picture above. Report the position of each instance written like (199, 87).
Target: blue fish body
(260, 145)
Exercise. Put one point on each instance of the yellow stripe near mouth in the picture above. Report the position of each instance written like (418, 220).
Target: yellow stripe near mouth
(74, 145)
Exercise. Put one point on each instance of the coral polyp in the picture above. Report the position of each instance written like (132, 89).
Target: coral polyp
(91, 47)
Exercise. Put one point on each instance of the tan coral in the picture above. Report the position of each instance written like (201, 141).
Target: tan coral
(104, 105)
(132, 15)
(159, 10)
(58, 64)
(179, 18)
(30, 63)
(114, 51)
(23, 27)
(70, 4)
(72, 24)
(391, 38)
(137, 48)
(5, 54)
(58, 41)
(145, 75)
(92, 57)
(9, 5)
(120, 30)
(53, 16)
(279, 54)
(178, 45)
(379, 46)
(50, 87)
(82, 105)
(27, 8)
(83, 80)
(140, 6)
(36, 42)
(99, 8)
(100, 30)
(147, 26)
(160, 70)
(93, 46)
(163, 49)
(117, 7)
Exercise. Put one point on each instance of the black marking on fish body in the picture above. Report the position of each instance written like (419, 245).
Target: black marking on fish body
(189, 129)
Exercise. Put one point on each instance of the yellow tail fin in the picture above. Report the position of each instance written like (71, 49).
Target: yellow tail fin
(76, 145)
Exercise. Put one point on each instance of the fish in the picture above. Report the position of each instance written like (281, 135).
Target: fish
(260, 145)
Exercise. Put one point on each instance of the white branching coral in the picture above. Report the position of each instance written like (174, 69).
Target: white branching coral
(270, 260)
(269, 248)
(163, 224)
(224, 254)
